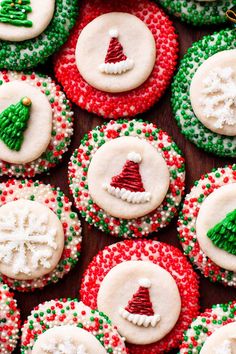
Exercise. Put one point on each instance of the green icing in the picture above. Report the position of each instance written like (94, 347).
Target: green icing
(223, 234)
(14, 12)
(13, 123)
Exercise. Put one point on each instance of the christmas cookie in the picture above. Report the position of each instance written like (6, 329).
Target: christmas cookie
(151, 298)
(118, 54)
(68, 326)
(199, 12)
(127, 178)
(213, 332)
(207, 225)
(203, 100)
(29, 104)
(31, 30)
(9, 320)
(39, 234)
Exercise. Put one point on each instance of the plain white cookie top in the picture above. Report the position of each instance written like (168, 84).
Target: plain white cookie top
(118, 288)
(213, 210)
(138, 44)
(222, 339)
(109, 161)
(71, 338)
(41, 15)
(38, 133)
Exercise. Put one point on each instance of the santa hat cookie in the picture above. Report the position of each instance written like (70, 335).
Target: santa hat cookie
(207, 225)
(127, 178)
(40, 236)
(116, 56)
(68, 326)
(150, 305)
(9, 320)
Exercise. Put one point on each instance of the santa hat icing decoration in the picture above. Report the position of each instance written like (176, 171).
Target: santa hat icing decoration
(139, 310)
(116, 62)
(128, 185)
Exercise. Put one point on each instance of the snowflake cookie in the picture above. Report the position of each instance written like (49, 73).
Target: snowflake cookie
(213, 331)
(29, 104)
(203, 94)
(40, 236)
(32, 30)
(207, 225)
(127, 178)
(69, 327)
(156, 293)
(119, 58)
(9, 320)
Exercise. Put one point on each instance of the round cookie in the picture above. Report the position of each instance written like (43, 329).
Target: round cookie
(116, 55)
(9, 320)
(127, 178)
(70, 326)
(206, 225)
(31, 31)
(199, 12)
(150, 305)
(202, 94)
(213, 331)
(38, 105)
(40, 236)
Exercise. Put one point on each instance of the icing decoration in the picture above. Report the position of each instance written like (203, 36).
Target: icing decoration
(219, 99)
(139, 310)
(21, 234)
(116, 62)
(225, 348)
(223, 234)
(128, 185)
(14, 12)
(13, 123)
(231, 14)
(65, 347)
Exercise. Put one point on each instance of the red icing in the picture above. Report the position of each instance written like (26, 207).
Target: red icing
(115, 52)
(129, 178)
(140, 303)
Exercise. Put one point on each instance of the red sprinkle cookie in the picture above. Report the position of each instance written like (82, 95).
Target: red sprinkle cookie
(156, 293)
(40, 236)
(207, 225)
(68, 326)
(9, 320)
(127, 178)
(119, 58)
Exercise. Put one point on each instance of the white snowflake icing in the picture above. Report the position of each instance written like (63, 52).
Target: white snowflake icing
(220, 96)
(21, 234)
(225, 348)
(63, 347)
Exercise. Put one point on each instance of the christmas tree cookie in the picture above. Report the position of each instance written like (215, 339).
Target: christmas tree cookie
(203, 100)
(119, 58)
(207, 225)
(213, 332)
(127, 178)
(68, 326)
(29, 104)
(39, 234)
(9, 320)
(32, 30)
(143, 292)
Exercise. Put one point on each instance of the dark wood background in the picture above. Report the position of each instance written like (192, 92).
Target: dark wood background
(197, 163)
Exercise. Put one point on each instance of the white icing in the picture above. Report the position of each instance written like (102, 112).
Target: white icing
(225, 348)
(135, 157)
(140, 320)
(145, 283)
(219, 99)
(117, 68)
(20, 234)
(63, 347)
(128, 196)
(113, 33)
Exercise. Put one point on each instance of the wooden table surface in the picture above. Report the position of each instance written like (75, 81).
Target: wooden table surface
(197, 163)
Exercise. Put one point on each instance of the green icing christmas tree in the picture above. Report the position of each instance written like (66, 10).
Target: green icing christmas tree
(13, 123)
(15, 12)
(223, 234)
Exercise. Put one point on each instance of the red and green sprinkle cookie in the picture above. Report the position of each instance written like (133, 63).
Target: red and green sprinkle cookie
(54, 199)
(167, 257)
(9, 320)
(205, 324)
(70, 312)
(62, 125)
(132, 102)
(78, 170)
(189, 124)
(207, 184)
